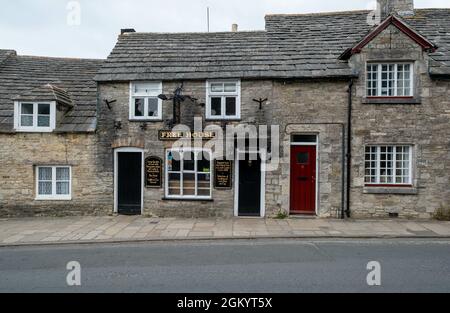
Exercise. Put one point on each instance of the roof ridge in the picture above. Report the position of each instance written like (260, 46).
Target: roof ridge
(58, 58)
(319, 13)
(192, 33)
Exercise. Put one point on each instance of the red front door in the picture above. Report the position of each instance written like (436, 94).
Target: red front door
(303, 179)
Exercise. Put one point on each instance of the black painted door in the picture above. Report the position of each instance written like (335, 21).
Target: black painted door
(249, 187)
(129, 183)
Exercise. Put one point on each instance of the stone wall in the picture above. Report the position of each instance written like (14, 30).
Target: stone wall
(307, 107)
(424, 125)
(21, 153)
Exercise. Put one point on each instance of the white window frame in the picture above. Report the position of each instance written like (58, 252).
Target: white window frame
(223, 95)
(17, 117)
(380, 80)
(394, 165)
(156, 90)
(53, 196)
(181, 151)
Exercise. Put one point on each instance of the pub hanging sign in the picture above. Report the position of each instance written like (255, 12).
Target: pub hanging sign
(153, 172)
(223, 177)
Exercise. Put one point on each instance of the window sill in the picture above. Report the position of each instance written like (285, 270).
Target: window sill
(35, 130)
(392, 190)
(237, 119)
(145, 120)
(187, 199)
(53, 199)
(392, 100)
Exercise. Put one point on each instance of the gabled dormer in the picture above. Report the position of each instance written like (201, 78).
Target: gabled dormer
(390, 60)
(39, 109)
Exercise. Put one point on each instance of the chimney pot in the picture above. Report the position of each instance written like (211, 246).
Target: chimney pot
(234, 28)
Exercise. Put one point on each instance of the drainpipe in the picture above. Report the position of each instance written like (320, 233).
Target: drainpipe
(349, 145)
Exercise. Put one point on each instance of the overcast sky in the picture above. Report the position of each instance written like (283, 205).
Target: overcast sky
(40, 27)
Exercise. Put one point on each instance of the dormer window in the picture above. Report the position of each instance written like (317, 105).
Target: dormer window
(144, 102)
(390, 80)
(34, 116)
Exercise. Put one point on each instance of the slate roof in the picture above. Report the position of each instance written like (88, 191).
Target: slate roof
(292, 46)
(68, 81)
(47, 92)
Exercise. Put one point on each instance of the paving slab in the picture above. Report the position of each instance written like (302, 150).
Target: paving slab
(128, 229)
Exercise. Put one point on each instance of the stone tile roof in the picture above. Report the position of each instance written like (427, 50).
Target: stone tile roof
(47, 92)
(434, 24)
(71, 82)
(293, 46)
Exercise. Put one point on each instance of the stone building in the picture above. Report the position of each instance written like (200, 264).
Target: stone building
(47, 137)
(359, 103)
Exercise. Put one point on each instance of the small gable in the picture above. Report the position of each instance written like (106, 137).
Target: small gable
(47, 93)
(377, 37)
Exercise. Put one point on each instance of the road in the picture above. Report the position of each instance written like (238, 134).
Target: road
(231, 266)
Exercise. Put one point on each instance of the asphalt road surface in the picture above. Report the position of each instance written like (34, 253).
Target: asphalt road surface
(231, 266)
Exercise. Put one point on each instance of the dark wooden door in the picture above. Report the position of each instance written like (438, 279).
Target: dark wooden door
(303, 179)
(129, 183)
(249, 187)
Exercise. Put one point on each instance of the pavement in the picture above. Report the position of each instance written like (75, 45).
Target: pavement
(231, 266)
(110, 229)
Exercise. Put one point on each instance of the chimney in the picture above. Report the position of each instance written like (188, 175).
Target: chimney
(234, 28)
(399, 7)
(127, 30)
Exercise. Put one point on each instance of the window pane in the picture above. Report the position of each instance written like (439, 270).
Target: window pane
(216, 106)
(203, 164)
(43, 121)
(153, 107)
(189, 184)
(188, 161)
(303, 158)
(204, 185)
(216, 87)
(62, 188)
(139, 107)
(45, 188)
(304, 138)
(230, 106)
(26, 120)
(45, 173)
(174, 184)
(44, 109)
(27, 108)
(230, 87)
(173, 161)
(62, 173)
(146, 89)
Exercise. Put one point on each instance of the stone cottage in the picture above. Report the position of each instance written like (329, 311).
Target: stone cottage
(357, 104)
(47, 137)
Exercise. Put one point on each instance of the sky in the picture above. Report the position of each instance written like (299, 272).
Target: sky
(89, 28)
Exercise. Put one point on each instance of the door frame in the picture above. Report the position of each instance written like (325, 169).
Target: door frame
(316, 144)
(116, 155)
(262, 208)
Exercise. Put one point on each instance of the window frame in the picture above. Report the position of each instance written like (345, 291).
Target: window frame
(223, 95)
(35, 128)
(380, 80)
(157, 91)
(181, 171)
(377, 168)
(53, 196)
